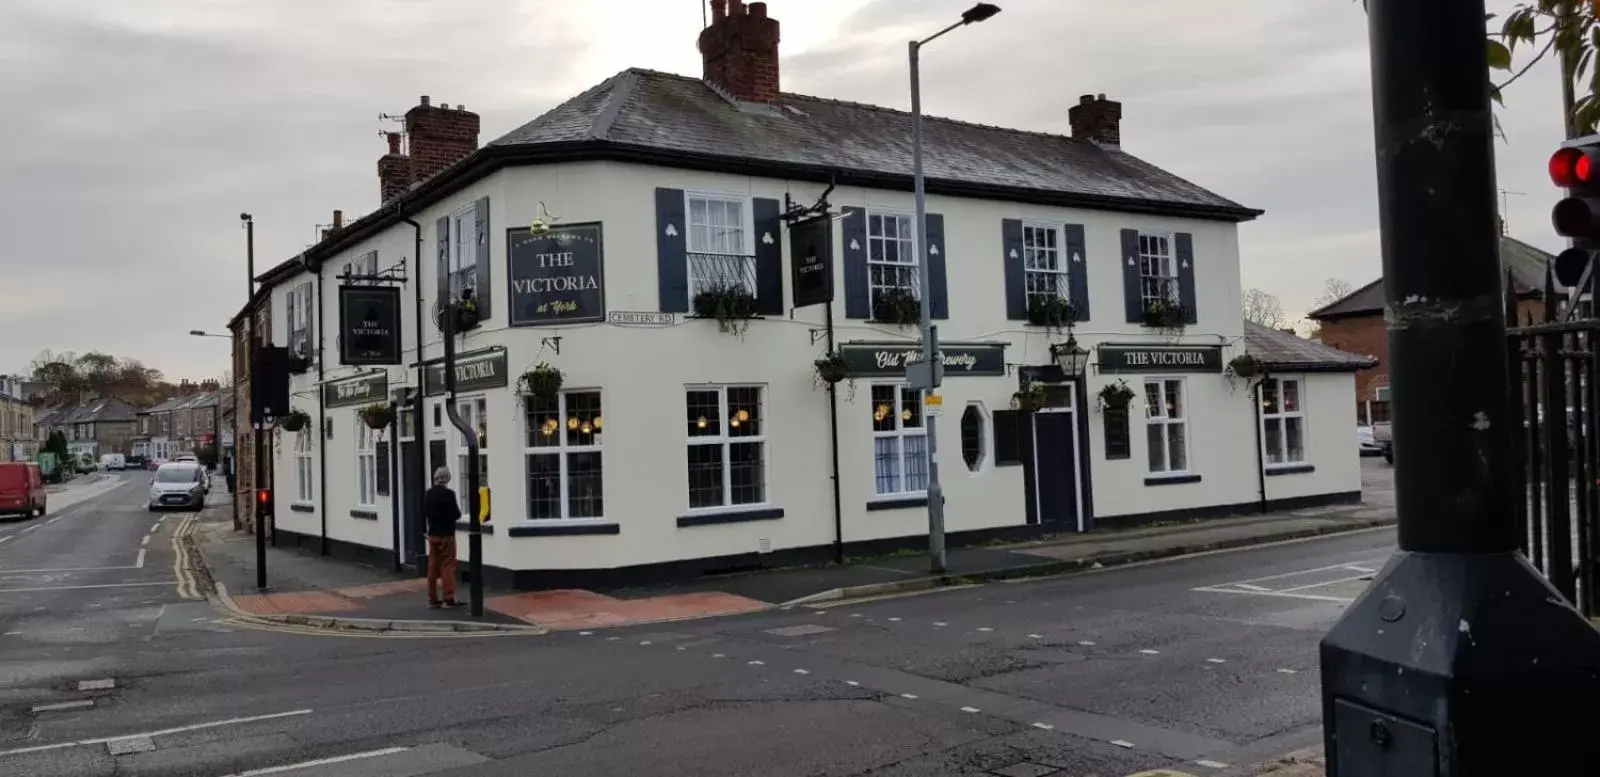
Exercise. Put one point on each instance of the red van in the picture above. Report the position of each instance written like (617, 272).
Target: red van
(21, 489)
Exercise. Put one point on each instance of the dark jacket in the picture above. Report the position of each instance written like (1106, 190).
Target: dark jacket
(439, 506)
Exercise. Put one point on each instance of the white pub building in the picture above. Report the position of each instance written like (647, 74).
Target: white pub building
(694, 303)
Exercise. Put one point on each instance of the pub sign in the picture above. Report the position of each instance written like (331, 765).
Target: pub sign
(811, 261)
(369, 325)
(556, 278)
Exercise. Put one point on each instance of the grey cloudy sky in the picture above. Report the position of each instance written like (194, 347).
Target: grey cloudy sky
(137, 130)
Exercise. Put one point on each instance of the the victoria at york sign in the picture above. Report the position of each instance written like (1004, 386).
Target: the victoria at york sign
(369, 325)
(360, 390)
(1147, 358)
(875, 359)
(475, 371)
(557, 278)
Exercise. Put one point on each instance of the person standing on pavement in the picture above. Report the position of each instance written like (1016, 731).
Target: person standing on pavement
(440, 508)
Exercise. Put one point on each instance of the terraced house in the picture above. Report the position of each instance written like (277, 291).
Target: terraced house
(17, 437)
(692, 307)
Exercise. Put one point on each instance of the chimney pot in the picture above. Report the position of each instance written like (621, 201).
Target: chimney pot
(338, 219)
(444, 106)
(719, 9)
(394, 141)
(758, 10)
(739, 51)
(423, 101)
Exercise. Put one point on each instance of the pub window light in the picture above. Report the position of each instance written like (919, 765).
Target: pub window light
(744, 415)
(598, 422)
(734, 422)
(572, 422)
(701, 422)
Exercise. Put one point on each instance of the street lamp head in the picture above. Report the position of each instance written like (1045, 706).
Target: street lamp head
(245, 217)
(979, 13)
(197, 333)
(1071, 357)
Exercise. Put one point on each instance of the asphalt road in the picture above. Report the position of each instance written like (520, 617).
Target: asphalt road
(1201, 665)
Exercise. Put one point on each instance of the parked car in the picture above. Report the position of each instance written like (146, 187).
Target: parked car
(113, 462)
(21, 489)
(179, 485)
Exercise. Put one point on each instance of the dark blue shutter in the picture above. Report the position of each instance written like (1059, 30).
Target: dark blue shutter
(1132, 298)
(672, 261)
(309, 301)
(857, 296)
(442, 230)
(1075, 253)
(769, 257)
(485, 291)
(1186, 296)
(939, 283)
(1016, 275)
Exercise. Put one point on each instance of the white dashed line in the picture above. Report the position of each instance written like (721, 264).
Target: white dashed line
(155, 526)
(756, 663)
(908, 696)
(1211, 764)
(894, 619)
(852, 683)
(940, 623)
(1216, 661)
(97, 685)
(612, 639)
(585, 633)
(1288, 671)
(801, 671)
(1150, 652)
(1122, 743)
(145, 540)
(11, 634)
(642, 643)
(1085, 643)
(1035, 636)
(985, 628)
(65, 705)
(970, 709)
(718, 655)
(29, 529)
(139, 562)
(1045, 726)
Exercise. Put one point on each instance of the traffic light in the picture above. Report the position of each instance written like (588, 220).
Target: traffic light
(264, 498)
(269, 383)
(1576, 168)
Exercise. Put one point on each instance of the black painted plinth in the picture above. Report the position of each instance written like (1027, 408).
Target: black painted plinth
(1461, 665)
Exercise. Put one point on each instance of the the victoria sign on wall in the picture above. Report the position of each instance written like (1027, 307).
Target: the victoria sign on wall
(556, 278)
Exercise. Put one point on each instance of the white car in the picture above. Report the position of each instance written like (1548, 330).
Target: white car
(179, 484)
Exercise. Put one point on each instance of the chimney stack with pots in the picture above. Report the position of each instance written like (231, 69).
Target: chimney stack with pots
(1097, 119)
(740, 51)
(438, 138)
(338, 220)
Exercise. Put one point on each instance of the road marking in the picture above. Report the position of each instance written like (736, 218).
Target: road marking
(718, 655)
(1300, 572)
(1354, 568)
(53, 520)
(155, 526)
(1279, 594)
(644, 642)
(1339, 581)
(1248, 587)
(1045, 726)
(1122, 743)
(970, 709)
(97, 685)
(1215, 661)
(1085, 643)
(940, 623)
(801, 671)
(908, 696)
(29, 529)
(139, 564)
(144, 541)
(153, 734)
(585, 633)
(852, 683)
(1288, 671)
(321, 762)
(7, 537)
(65, 705)
(1149, 652)
(1035, 636)
(1211, 764)
(9, 572)
(756, 663)
(80, 587)
(130, 745)
(985, 628)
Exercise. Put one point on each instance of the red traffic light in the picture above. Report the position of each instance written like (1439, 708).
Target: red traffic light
(1571, 167)
(264, 496)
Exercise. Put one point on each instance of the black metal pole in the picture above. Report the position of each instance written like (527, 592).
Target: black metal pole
(1261, 453)
(322, 425)
(259, 429)
(473, 479)
(1460, 659)
(394, 477)
(418, 476)
(833, 432)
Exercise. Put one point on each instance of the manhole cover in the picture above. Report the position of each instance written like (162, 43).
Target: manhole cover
(131, 745)
(1025, 769)
(801, 630)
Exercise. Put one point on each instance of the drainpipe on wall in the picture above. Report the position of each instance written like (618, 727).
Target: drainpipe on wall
(420, 429)
(394, 476)
(322, 422)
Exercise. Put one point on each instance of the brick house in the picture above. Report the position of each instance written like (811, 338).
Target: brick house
(17, 441)
(253, 323)
(1354, 322)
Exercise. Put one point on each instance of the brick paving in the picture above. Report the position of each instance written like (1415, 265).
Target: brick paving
(294, 603)
(574, 609)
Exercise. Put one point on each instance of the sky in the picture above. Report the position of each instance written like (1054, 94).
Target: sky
(137, 131)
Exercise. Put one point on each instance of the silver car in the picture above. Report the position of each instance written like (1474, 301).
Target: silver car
(180, 485)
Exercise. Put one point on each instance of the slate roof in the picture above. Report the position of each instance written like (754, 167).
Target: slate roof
(1284, 352)
(1526, 263)
(679, 114)
(99, 410)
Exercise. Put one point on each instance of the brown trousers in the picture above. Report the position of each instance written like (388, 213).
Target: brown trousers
(442, 566)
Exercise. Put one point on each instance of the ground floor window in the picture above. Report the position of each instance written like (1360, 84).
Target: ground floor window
(1283, 422)
(302, 467)
(562, 456)
(726, 446)
(1166, 425)
(473, 410)
(899, 441)
(366, 464)
(974, 441)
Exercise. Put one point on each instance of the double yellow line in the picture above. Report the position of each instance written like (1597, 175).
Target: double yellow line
(188, 588)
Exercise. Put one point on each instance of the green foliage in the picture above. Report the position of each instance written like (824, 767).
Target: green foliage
(57, 444)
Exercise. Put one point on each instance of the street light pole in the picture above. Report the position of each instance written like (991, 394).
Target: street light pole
(1460, 659)
(929, 374)
(258, 429)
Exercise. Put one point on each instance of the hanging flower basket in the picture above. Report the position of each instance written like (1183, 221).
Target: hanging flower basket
(1029, 398)
(831, 368)
(897, 306)
(377, 416)
(1054, 313)
(543, 381)
(1116, 395)
(732, 306)
(1244, 366)
(294, 421)
(1165, 314)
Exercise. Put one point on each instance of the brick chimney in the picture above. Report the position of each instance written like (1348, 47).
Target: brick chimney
(740, 51)
(1097, 119)
(440, 137)
(394, 170)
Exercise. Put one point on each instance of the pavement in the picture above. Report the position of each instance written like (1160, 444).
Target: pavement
(314, 591)
(1200, 665)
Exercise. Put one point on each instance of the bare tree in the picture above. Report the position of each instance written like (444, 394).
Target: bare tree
(1263, 308)
(1333, 290)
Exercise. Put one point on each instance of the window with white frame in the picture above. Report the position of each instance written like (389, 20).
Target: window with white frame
(727, 446)
(1045, 269)
(463, 252)
(1158, 272)
(300, 320)
(891, 256)
(562, 456)
(364, 266)
(1166, 425)
(366, 464)
(900, 441)
(1283, 422)
(473, 410)
(302, 467)
(721, 244)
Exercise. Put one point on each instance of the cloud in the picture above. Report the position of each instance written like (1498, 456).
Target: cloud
(138, 130)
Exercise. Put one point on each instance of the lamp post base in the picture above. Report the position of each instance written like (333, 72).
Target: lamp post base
(1459, 665)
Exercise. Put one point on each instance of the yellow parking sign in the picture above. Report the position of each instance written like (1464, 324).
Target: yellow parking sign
(483, 504)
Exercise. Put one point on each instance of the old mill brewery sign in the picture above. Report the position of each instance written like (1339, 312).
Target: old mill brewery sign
(360, 390)
(556, 278)
(886, 359)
